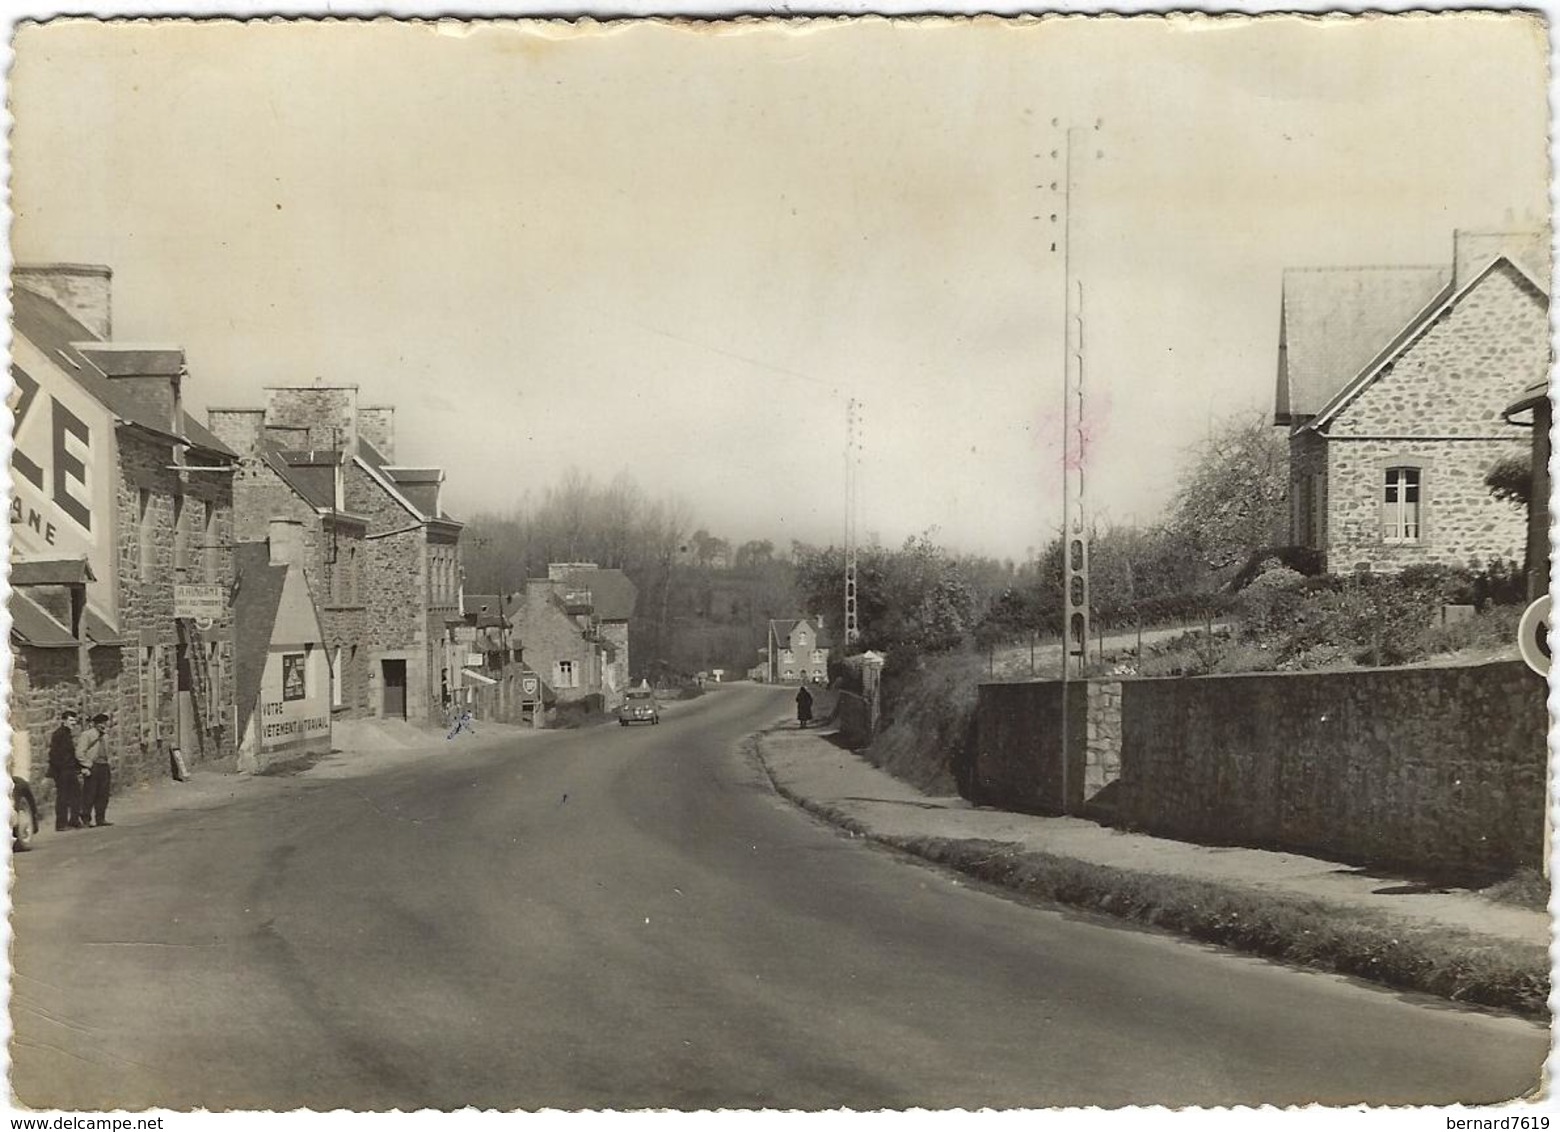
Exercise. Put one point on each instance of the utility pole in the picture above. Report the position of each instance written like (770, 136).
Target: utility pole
(1075, 536)
(1075, 594)
(852, 463)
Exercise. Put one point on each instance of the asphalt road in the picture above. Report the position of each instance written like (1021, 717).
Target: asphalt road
(624, 918)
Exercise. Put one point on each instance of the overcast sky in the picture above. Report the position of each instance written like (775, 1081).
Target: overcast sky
(679, 250)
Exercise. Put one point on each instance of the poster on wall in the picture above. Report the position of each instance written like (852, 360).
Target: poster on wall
(292, 676)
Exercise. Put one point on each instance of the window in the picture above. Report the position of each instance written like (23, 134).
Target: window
(817, 656)
(143, 515)
(787, 656)
(563, 674)
(1400, 510)
(335, 679)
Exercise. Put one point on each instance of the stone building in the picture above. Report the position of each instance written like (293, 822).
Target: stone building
(309, 488)
(572, 628)
(797, 651)
(121, 525)
(382, 558)
(1392, 382)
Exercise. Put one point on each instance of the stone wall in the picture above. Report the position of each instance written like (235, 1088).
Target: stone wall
(548, 635)
(1102, 736)
(1437, 406)
(323, 416)
(1435, 768)
(615, 677)
(1461, 523)
(1018, 759)
(393, 579)
(142, 695)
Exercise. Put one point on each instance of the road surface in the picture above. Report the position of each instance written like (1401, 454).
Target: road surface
(620, 918)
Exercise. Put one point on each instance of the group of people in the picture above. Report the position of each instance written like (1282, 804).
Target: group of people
(80, 772)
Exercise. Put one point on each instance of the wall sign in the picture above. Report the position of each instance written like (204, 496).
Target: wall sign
(294, 685)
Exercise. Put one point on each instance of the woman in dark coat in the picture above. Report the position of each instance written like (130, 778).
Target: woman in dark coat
(803, 706)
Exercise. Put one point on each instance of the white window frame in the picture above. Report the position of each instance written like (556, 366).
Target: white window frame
(1402, 519)
(563, 674)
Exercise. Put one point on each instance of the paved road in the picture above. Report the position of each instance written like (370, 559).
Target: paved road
(626, 918)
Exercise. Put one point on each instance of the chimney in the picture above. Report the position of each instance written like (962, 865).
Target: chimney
(81, 290)
(376, 424)
(1473, 251)
(239, 429)
(324, 417)
(150, 379)
(285, 539)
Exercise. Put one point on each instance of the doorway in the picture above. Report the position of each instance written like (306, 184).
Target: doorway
(394, 672)
(184, 684)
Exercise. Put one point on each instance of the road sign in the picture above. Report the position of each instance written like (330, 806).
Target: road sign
(1533, 636)
(529, 687)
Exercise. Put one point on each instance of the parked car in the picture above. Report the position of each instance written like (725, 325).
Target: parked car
(639, 706)
(24, 815)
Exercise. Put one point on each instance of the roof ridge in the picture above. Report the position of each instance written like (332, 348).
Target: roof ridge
(1371, 267)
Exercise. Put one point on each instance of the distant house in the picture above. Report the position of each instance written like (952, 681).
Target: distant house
(797, 651)
(572, 628)
(1392, 382)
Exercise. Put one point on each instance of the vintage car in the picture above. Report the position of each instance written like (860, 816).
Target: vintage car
(639, 706)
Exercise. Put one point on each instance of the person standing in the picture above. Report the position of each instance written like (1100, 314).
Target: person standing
(93, 756)
(65, 772)
(804, 703)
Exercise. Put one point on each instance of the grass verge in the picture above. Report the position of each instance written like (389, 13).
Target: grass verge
(1431, 959)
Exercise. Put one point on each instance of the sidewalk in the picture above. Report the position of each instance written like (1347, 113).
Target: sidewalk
(842, 787)
(358, 747)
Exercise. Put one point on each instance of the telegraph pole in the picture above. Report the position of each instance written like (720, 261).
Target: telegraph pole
(1075, 533)
(852, 631)
(1075, 593)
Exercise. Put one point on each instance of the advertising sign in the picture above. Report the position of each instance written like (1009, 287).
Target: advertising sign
(199, 601)
(293, 683)
(62, 471)
(529, 686)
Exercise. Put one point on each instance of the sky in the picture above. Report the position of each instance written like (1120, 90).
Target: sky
(679, 250)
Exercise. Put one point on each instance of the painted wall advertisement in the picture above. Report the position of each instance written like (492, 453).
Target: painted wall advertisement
(62, 471)
(289, 716)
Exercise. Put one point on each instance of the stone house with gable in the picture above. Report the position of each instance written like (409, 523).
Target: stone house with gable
(572, 629)
(392, 591)
(798, 651)
(309, 488)
(121, 525)
(1392, 383)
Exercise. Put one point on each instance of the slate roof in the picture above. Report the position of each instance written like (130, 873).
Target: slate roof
(259, 594)
(483, 608)
(35, 626)
(1410, 334)
(49, 327)
(612, 595)
(1336, 321)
